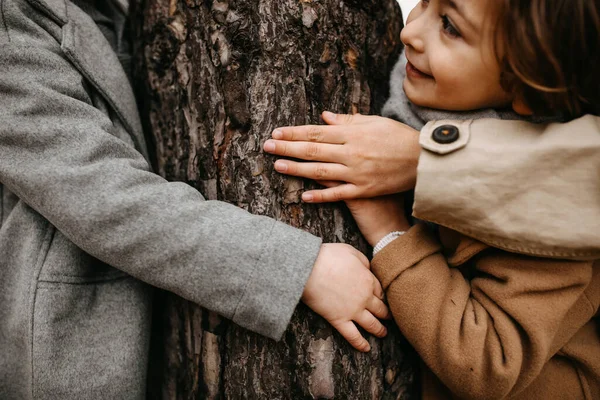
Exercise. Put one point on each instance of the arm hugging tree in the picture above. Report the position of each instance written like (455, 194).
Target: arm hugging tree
(216, 78)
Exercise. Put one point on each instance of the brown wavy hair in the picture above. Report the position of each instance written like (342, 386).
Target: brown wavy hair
(549, 51)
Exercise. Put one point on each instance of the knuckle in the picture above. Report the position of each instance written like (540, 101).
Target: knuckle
(373, 326)
(312, 150)
(336, 195)
(317, 197)
(362, 344)
(321, 172)
(355, 338)
(292, 168)
(357, 153)
(315, 134)
(376, 284)
(282, 148)
(385, 313)
(346, 247)
(292, 134)
(367, 279)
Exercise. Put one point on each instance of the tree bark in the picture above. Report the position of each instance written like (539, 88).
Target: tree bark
(216, 78)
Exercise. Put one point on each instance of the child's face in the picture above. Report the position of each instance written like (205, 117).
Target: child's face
(451, 59)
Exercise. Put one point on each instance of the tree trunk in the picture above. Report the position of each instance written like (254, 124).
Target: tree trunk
(216, 78)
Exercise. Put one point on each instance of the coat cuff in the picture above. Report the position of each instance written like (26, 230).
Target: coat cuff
(277, 282)
(409, 249)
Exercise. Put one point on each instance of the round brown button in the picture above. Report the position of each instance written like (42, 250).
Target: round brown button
(445, 134)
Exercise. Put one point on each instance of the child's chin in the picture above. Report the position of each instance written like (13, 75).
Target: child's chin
(415, 96)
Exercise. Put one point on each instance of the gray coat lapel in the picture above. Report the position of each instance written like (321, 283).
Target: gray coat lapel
(56, 9)
(86, 47)
(124, 5)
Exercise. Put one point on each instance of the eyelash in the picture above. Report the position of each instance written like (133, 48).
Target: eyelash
(448, 27)
(446, 24)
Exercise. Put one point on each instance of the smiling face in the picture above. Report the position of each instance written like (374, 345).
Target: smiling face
(452, 64)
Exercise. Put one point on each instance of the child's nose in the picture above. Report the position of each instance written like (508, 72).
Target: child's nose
(412, 34)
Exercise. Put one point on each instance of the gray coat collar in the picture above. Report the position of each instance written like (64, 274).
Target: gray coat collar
(87, 49)
(58, 8)
(123, 5)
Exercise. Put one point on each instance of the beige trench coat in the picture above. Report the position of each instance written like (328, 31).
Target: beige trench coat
(530, 189)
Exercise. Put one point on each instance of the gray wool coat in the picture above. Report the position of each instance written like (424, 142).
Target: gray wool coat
(86, 229)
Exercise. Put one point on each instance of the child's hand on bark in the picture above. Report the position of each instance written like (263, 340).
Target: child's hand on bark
(342, 289)
(372, 156)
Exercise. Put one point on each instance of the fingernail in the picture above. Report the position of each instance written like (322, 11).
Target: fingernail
(307, 197)
(269, 146)
(281, 166)
(329, 115)
(277, 134)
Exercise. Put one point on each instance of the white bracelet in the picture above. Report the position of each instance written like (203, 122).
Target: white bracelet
(387, 239)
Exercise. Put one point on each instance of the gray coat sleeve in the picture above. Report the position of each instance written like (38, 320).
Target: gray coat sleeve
(58, 155)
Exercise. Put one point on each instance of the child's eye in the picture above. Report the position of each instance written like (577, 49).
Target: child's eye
(449, 28)
(424, 3)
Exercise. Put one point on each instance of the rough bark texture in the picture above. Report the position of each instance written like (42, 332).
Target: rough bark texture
(216, 78)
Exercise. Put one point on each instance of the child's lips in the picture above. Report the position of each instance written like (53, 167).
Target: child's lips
(413, 72)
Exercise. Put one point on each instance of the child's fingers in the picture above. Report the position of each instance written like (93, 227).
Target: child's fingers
(329, 184)
(306, 150)
(315, 171)
(343, 192)
(378, 308)
(310, 133)
(371, 324)
(376, 304)
(377, 289)
(363, 259)
(350, 332)
(343, 119)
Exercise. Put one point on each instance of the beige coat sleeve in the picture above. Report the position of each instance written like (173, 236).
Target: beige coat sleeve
(488, 336)
(526, 188)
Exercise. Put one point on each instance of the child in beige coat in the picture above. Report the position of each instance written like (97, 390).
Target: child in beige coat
(489, 323)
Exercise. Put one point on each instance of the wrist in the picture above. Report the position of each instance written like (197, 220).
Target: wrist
(373, 240)
(377, 236)
(308, 287)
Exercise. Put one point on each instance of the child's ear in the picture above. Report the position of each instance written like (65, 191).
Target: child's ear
(520, 107)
